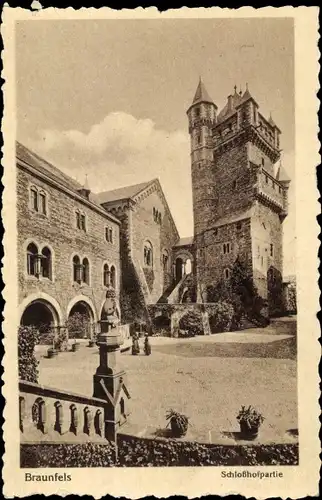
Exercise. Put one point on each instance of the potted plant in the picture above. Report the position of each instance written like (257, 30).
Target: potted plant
(91, 342)
(250, 421)
(135, 345)
(147, 346)
(178, 422)
(75, 345)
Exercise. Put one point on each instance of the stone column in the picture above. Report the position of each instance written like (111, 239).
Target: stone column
(109, 379)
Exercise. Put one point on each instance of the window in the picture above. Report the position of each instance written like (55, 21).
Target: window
(148, 254)
(38, 201)
(80, 221)
(198, 138)
(165, 261)
(157, 216)
(42, 203)
(239, 226)
(106, 275)
(46, 260)
(235, 184)
(273, 184)
(266, 179)
(271, 250)
(263, 162)
(226, 248)
(32, 260)
(279, 189)
(197, 112)
(77, 275)
(85, 268)
(227, 273)
(109, 234)
(34, 199)
(113, 277)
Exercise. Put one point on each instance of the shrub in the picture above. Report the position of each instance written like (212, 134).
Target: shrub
(61, 341)
(192, 323)
(221, 317)
(28, 337)
(67, 455)
(78, 325)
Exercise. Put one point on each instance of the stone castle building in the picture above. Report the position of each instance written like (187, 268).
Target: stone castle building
(72, 243)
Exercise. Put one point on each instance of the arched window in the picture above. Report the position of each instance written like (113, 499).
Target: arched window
(165, 261)
(148, 254)
(77, 275)
(106, 275)
(46, 263)
(32, 257)
(113, 277)
(86, 271)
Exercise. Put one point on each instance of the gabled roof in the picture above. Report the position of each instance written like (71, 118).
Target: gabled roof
(122, 193)
(188, 241)
(201, 94)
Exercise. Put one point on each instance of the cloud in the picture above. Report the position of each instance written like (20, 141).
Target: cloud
(123, 150)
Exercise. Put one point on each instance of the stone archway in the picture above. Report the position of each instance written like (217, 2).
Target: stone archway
(81, 320)
(43, 316)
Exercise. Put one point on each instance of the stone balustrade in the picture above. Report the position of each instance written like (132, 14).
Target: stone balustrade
(55, 416)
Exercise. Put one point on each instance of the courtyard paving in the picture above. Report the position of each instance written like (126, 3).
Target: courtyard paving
(207, 378)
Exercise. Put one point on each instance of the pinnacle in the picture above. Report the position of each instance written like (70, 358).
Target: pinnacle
(201, 94)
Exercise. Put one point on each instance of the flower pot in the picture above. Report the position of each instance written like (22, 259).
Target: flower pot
(51, 352)
(176, 429)
(247, 431)
(91, 343)
(75, 347)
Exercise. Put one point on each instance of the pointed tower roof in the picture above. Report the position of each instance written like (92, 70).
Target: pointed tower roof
(281, 175)
(246, 96)
(201, 94)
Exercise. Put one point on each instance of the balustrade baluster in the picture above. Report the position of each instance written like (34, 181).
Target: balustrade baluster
(59, 417)
(98, 422)
(87, 421)
(73, 419)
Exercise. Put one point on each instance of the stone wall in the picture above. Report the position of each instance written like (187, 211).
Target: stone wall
(58, 231)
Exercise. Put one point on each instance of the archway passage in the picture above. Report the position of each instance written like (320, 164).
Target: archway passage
(179, 269)
(43, 317)
(80, 321)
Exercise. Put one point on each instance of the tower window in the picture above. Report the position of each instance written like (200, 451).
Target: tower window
(239, 226)
(226, 248)
(235, 184)
(32, 256)
(199, 138)
(197, 112)
(77, 267)
(263, 162)
(227, 273)
(46, 263)
(148, 254)
(271, 250)
(80, 221)
(106, 275)
(266, 179)
(85, 271)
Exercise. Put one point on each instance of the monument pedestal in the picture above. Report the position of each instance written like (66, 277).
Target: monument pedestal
(109, 381)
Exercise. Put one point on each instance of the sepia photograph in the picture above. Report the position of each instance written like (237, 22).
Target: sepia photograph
(156, 244)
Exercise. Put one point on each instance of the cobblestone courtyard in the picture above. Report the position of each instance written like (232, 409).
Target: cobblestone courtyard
(207, 378)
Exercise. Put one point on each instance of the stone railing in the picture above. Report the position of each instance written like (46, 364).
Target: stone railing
(55, 416)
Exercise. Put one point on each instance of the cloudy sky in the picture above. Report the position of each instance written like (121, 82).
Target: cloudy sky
(108, 98)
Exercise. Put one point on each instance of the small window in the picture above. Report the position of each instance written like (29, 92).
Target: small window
(83, 222)
(198, 138)
(106, 275)
(271, 250)
(46, 263)
(239, 226)
(165, 261)
(113, 277)
(34, 199)
(77, 267)
(263, 162)
(110, 231)
(32, 256)
(226, 248)
(148, 254)
(85, 268)
(279, 189)
(227, 273)
(78, 220)
(266, 179)
(42, 203)
(197, 112)
(273, 184)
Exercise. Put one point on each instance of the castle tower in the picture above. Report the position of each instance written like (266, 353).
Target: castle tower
(202, 117)
(239, 197)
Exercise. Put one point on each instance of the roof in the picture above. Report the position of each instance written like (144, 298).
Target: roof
(122, 193)
(201, 94)
(27, 156)
(227, 110)
(229, 219)
(281, 175)
(185, 242)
